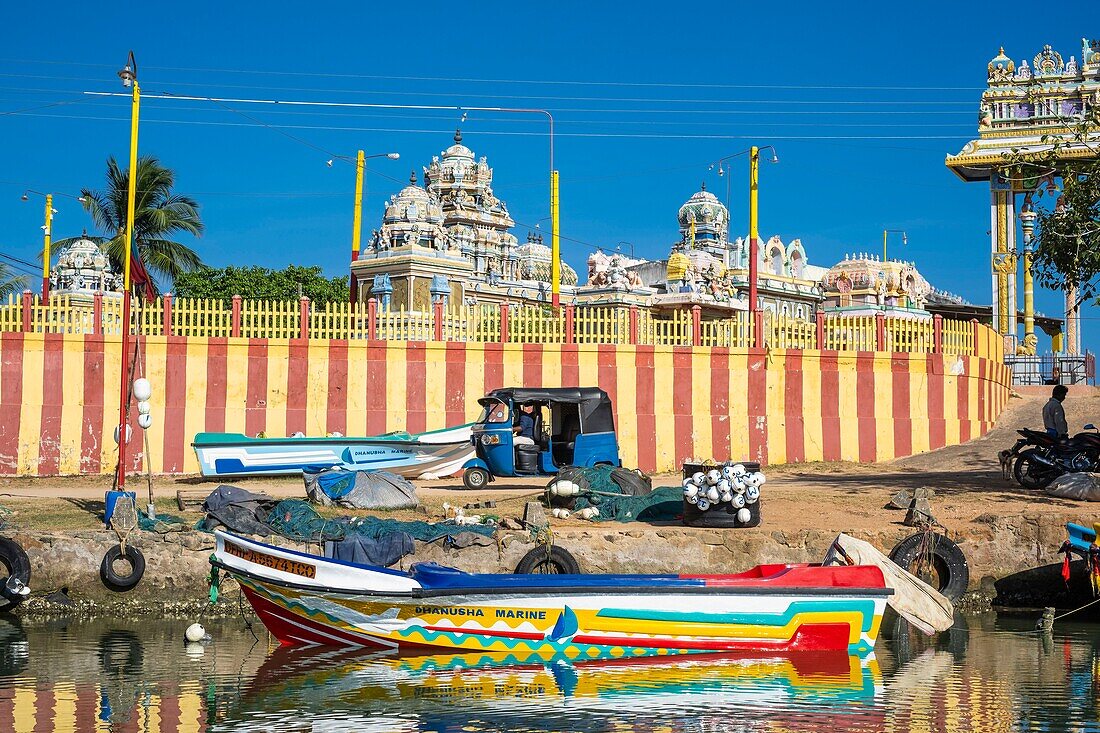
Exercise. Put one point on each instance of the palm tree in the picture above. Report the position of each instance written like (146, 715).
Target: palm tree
(10, 283)
(158, 215)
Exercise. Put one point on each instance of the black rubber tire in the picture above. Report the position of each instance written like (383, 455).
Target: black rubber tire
(15, 563)
(120, 652)
(559, 561)
(476, 478)
(1030, 474)
(122, 583)
(950, 571)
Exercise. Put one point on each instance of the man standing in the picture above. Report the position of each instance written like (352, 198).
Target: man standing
(1054, 415)
(525, 430)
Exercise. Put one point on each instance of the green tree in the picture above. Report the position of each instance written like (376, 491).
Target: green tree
(260, 283)
(159, 215)
(10, 282)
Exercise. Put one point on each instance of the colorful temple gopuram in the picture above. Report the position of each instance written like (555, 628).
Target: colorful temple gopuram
(1026, 110)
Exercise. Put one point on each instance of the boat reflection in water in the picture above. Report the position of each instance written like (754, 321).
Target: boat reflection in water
(794, 692)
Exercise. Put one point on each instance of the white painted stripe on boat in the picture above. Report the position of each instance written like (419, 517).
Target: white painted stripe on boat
(315, 631)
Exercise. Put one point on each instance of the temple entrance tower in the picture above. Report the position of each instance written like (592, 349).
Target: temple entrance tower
(1024, 109)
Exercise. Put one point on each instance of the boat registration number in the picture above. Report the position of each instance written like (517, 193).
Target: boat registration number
(270, 561)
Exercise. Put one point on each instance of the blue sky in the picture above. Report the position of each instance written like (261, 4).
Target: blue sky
(861, 105)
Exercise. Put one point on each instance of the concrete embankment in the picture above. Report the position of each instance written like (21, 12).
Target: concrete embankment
(177, 565)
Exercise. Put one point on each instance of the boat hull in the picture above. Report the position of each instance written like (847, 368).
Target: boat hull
(583, 622)
(439, 453)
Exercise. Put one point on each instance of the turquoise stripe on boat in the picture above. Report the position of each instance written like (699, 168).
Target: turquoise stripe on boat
(864, 607)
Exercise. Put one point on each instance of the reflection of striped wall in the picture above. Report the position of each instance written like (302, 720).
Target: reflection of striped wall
(65, 707)
(59, 396)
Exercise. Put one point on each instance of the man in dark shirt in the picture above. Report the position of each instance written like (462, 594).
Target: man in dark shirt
(525, 430)
(1054, 415)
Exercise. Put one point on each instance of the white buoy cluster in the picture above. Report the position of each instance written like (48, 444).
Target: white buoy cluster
(567, 490)
(730, 483)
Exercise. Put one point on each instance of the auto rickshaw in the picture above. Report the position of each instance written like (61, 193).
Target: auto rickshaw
(573, 426)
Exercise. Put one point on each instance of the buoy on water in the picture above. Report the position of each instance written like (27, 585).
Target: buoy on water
(195, 633)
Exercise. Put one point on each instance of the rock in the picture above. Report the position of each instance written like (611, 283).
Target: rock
(511, 523)
(534, 516)
(920, 513)
(197, 541)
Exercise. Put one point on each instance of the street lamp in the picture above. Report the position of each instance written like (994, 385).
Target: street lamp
(618, 248)
(754, 235)
(128, 75)
(47, 234)
(904, 239)
(357, 218)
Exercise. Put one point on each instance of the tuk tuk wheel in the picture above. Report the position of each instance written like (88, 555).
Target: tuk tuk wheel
(475, 478)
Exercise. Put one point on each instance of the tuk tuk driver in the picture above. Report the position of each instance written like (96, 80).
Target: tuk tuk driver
(525, 429)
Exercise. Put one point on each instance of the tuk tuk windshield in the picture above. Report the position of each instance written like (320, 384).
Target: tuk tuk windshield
(494, 411)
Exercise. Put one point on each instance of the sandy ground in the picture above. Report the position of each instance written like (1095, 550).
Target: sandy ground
(966, 478)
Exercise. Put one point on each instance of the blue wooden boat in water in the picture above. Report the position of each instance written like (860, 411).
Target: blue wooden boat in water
(434, 453)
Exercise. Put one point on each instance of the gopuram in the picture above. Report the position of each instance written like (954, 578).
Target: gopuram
(1028, 109)
(451, 240)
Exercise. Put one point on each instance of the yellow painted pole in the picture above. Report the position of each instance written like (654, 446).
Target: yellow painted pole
(555, 242)
(131, 196)
(884, 245)
(47, 230)
(357, 220)
(754, 234)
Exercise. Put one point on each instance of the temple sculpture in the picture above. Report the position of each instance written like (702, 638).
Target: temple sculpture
(862, 284)
(82, 270)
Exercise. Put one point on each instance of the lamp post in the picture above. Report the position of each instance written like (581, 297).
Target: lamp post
(357, 218)
(47, 234)
(886, 232)
(754, 235)
(128, 75)
(618, 247)
(1027, 219)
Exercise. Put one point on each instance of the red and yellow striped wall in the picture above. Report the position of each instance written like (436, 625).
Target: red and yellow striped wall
(59, 396)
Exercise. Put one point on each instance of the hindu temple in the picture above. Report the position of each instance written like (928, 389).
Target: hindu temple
(1025, 110)
(452, 239)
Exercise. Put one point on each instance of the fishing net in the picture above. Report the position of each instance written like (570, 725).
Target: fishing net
(297, 520)
(162, 523)
(622, 495)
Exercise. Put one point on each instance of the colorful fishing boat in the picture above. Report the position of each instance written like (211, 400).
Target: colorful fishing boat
(438, 453)
(307, 599)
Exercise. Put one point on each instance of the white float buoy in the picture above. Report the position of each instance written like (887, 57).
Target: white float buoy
(761, 479)
(739, 486)
(713, 477)
(724, 486)
(743, 516)
(712, 494)
(194, 633)
(142, 389)
(564, 487)
(693, 499)
(145, 421)
(143, 407)
(752, 494)
(739, 469)
(698, 478)
(727, 497)
(728, 473)
(691, 490)
(738, 501)
(703, 505)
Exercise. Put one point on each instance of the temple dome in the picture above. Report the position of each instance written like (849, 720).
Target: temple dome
(706, 210)
(1001, 66)
(83, 267)
(863, 273)
(534, 263)
(458, 150)
(413, 204)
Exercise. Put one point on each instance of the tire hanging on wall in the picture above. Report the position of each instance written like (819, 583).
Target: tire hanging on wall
(948, 563)
(122, 583)
(17, 576)
(540, 562)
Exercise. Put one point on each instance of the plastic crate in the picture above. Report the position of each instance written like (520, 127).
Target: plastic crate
(721, 514)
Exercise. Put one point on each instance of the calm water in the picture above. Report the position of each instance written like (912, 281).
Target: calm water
(986, 675)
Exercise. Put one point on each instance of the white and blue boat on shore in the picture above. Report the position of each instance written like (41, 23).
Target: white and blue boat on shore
(435, 453)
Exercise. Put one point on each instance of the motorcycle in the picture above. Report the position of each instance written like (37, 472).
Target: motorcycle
(1038, 457)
